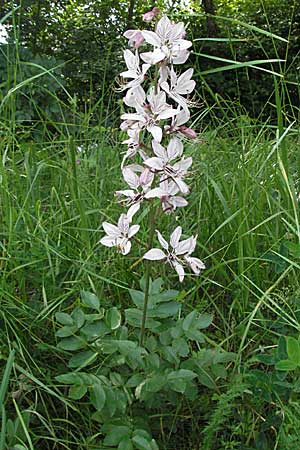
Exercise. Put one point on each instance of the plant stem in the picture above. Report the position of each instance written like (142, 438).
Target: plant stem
(148, 270)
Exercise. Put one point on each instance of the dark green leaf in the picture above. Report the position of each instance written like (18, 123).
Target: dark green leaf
(66, 331)
(141, 443)
(77, 392)
(125, 444)
(91, 300)
(64, 319)
(82, 359)
(113, 318)
(72, 343)
(293, 349)
(204, 320)
(286, 364)
(78, 317)
(97, 396)
(116, 434)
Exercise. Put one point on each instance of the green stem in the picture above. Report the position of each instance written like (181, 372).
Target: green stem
(148, 270)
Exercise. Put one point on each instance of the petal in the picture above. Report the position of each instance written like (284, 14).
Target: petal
(180, 57)
(195, 264)
(167, 113)
(155, 254)
(155, 163)
(159, 150)
(155, 193)
(178, 202)
(182, 117)
(108, 241)
(131, 178)
(126, 192)
(186, 246)
(175, 149)
(164, 27)
(162, 241)
(111, 230)
(125, 247)
(175, 237)
(184, 164)
(156, 132)
(132, 211)
(133, 230)
(153, 57)
(152, 38)
(179, 269)
(183, 187)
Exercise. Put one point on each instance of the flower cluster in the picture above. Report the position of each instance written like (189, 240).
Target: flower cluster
(155, 126)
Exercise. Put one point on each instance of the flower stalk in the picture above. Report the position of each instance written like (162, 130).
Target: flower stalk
(148, 271)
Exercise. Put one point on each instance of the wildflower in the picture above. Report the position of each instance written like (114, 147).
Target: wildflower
(134, 71)
(176, 172)
(150, 114)
(179, 255)
(148, 16)
(135, 38)
(168, 42)
(166, 192)
(119, 235)
(139, 184)
(179, 86)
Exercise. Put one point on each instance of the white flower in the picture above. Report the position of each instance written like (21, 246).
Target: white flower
(168, 43)
(179, 255)
(149, 115)
(119, 235)
(167, 194)
(179, 86)
(161, 163)
(139, 184)
(134, 71)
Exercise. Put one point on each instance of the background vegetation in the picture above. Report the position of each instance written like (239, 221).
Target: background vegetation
(60, 157)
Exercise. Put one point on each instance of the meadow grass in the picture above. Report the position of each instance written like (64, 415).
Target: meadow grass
(56, 189)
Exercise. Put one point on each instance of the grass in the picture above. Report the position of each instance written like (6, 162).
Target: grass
(55, 191)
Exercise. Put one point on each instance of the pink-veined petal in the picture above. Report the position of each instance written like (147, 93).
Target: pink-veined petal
(132, 211)
(182, 186)
(156, 132)
(186, 246)
(153, 57)
(155, 193)
(178, 202)
(162, 241)
(126, 192)
(110, 229)
(131, 178)
(175, 237)
(175, 148)
(179, 269)
(151, 38)
(155, 163)
(155, 254)
(180, 57)
(167, 113)
(159, 150)
(195, 264)
(125, 247)
(133, 230)
(163, 28)
(108, 241)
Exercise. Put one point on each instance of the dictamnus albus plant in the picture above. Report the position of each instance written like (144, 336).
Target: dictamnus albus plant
(155, 168)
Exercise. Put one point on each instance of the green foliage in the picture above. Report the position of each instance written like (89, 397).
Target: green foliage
(122, 375)
(29, 85)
